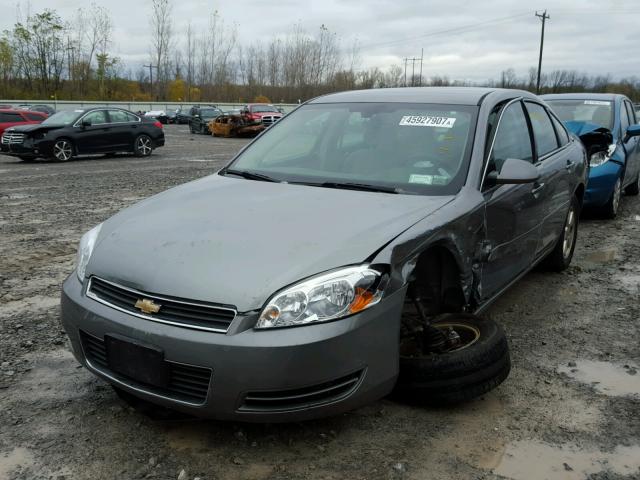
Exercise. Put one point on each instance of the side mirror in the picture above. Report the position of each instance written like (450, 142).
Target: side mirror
(86, 123)
(633, 131)
(513, 172)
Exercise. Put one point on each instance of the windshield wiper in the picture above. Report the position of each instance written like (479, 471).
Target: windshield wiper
(365, 187)
(250, 175)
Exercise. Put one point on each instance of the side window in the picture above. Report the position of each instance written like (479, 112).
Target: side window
(512, 139)
(33, 117)
(98, 117)
(632, 114)
(563, 136)
(119, 116)
(10, 117)
(543, 131)
(624, 119)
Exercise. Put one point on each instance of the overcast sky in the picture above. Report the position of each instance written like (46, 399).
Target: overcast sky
(462, 39)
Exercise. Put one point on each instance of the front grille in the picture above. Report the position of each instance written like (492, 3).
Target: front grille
(187, 383)
(184, 313)
(12, 138)
(295, 399)
(270, 119)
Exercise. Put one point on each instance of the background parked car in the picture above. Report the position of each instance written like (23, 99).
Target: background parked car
(46, 109)
(607, 124)
(10, 118)
(67, 134)
(159, 115)
(264, 113)
(200, 118)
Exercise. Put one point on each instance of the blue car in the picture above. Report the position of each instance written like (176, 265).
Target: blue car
(607, 125)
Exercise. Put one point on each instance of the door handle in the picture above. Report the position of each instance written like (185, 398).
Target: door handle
(570, 164)
(537, 188)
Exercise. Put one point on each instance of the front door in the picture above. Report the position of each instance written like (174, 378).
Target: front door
(628, 117)
(96, 137)
(513, 212)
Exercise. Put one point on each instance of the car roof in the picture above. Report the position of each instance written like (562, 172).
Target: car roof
(582, 96)
(445, 95)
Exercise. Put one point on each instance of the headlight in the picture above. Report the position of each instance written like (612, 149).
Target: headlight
(599, 158)
(326, 297)
(87, 242)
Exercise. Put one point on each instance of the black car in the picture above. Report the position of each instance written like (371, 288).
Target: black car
(67, 134)
(201, 116)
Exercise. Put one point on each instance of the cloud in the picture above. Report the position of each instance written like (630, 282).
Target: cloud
(462, 39)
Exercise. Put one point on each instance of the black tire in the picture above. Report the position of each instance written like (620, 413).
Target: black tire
(459, 375)
(634, 188)
(560, 257)
(143, 146)
(610, 209)
(63, 150)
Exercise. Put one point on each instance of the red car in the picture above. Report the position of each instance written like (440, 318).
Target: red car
(265, 113)
(11, 118)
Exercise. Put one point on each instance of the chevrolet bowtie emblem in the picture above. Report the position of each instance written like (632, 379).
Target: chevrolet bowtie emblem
(147, 306)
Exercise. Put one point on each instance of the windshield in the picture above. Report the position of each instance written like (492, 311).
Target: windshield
(209, 112)
(413, 148)
(264, 108)
(599, 112)
(63, 118)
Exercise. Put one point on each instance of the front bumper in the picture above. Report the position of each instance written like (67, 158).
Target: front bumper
(272, 363)
(602, 179)
(18, 149)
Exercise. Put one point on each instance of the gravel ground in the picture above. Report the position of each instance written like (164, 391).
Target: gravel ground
(569, 410)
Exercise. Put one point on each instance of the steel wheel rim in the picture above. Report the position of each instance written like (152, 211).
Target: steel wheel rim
(569, 233)
(144, 145)
(468, 333)
(617, 190)
(62, 150)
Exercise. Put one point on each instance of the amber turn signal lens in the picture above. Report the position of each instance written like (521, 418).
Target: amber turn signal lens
(363, 298)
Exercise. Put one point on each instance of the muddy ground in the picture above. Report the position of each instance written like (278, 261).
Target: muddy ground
(569, 410)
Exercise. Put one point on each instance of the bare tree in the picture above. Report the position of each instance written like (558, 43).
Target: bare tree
(161, 31)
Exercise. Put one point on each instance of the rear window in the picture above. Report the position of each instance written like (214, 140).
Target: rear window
(599, 112)
(10, 117)
(34, 117)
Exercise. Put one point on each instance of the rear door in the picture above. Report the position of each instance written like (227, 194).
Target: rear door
(124, 128)
(631, 145)
(555, 165)
(513, 212)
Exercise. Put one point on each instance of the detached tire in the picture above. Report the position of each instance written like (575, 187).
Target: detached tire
(459, 375)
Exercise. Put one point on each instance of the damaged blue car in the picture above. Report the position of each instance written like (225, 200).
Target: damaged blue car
(607, 125)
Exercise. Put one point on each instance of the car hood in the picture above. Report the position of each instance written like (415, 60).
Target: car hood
(584, 128)
(236, 241)
(33, 127)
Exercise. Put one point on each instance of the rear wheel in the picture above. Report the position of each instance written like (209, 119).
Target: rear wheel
(634, 188)
(610, 210)
(560, 257)
(143, 146)
(475, 363)
(63, 150)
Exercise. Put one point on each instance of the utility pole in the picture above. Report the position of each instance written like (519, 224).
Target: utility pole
(544, 17)
(421, 57)
(405, 71)
(150, 75)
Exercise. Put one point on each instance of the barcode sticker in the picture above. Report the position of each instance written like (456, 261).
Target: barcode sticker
(426, 121)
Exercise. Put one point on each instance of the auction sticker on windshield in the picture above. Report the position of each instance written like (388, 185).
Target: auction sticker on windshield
(427, 121)
(596, 102)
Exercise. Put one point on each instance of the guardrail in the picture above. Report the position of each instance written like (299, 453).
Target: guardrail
(133, 106)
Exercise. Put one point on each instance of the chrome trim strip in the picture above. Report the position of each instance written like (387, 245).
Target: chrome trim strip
(95, 297)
